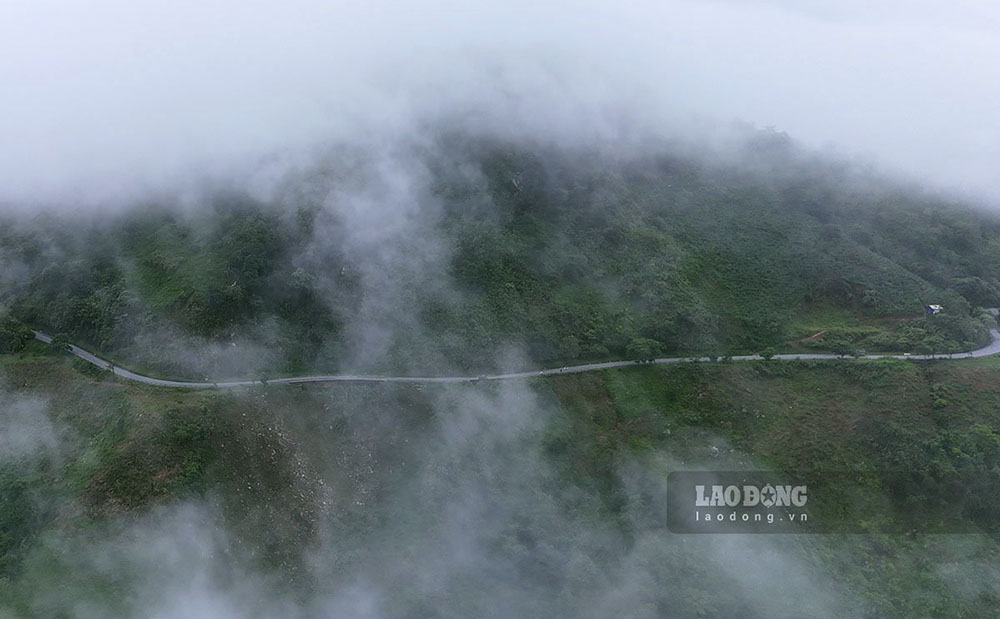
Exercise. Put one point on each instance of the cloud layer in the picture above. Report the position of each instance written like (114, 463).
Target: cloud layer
(106, 100)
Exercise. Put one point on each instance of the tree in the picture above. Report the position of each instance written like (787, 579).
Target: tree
(60, 342)
(642, 349)
(14, 336)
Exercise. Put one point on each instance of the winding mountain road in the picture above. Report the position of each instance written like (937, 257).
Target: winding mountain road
(990, 349)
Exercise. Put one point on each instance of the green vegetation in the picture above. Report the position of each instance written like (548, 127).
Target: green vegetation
(869, 417)
(14, 336)
(124, 449)
(287, 462)
(577, 256)
(572, 256)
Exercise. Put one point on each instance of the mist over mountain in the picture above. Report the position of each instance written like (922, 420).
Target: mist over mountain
(217, 190)
(109, 100)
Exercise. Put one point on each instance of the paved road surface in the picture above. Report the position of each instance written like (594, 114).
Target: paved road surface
(990, 349)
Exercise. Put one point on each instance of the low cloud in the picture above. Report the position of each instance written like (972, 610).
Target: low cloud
(27, 433)
(466, 516)
(111, 100)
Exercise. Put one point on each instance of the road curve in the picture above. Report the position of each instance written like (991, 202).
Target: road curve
(990, 349)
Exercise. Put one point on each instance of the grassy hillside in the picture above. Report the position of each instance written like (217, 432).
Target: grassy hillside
(543, 497)
(574, 255)
(296, 469)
